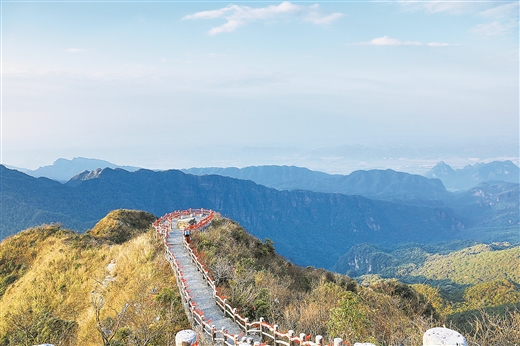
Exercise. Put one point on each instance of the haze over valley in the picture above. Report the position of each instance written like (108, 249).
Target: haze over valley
(293, 206)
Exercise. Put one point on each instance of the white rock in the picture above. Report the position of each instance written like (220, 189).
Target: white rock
(111, 267)
(443, 337)
(185, 337)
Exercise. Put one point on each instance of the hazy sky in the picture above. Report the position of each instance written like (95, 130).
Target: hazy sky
(335, 85)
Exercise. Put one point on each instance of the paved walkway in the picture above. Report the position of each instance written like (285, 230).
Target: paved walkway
(201, 293)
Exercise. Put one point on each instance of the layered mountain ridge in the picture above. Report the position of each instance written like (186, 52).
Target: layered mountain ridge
(473, 175)
(63, 170)
(380, 184)
(309, 228)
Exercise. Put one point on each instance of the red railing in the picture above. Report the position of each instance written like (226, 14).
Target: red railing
(266, 331)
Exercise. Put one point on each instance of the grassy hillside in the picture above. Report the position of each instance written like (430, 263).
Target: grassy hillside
(112, 286)
(383, 311)
(461, 280)
(66, 288)
(314, 301)
(473, 265)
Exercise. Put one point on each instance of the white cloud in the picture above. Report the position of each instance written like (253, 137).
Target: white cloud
(505, 20)
(504, 11)
(490, 29)
(238, 16)
(440, 44)
(318, 18)
(503, 14)
(446, 6)
(389, 41)
(230, 26)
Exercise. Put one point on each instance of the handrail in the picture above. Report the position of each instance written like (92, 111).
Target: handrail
(163, 227)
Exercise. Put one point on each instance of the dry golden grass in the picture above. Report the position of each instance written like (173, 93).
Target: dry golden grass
(64, 275)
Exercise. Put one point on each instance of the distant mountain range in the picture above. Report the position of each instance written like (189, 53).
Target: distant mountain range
(380, 184)
(384, 184)
(472, 175)
(63, 170)
(309, 228)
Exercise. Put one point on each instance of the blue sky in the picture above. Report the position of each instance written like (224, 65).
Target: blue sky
(334, 86)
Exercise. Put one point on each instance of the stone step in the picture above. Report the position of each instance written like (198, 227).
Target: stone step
(200, 292)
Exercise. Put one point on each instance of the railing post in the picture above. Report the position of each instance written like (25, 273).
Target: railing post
(223, 331)
(302, 338)
(261, 330)
(275, 327)
(213, 333)
(245, 325)
(188, 301)
(235, 315)
(291, 336)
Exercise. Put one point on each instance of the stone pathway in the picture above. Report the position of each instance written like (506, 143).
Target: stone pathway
(201, 293)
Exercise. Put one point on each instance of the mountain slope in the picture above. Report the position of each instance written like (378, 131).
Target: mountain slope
(462, 264)
(381, 184)
(462, 279)
(66, 288)
(490, 220)
(309, 228)
(55, 281)
(261, 284)
(473, 265)
(491, 210)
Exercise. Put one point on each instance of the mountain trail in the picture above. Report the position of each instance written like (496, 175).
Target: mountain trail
(197, 287)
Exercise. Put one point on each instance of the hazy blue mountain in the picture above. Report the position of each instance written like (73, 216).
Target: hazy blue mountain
(27, 201)
(63, 169)
(491, 210)
(277, 177)
(381, 184)
(472, 175)
(19, 169)
(310, 228)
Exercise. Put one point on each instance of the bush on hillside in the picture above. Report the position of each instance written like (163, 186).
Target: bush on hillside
(122, 225)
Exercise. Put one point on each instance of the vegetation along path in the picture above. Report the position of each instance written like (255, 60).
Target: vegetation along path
(206, 310)
(205, 307)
